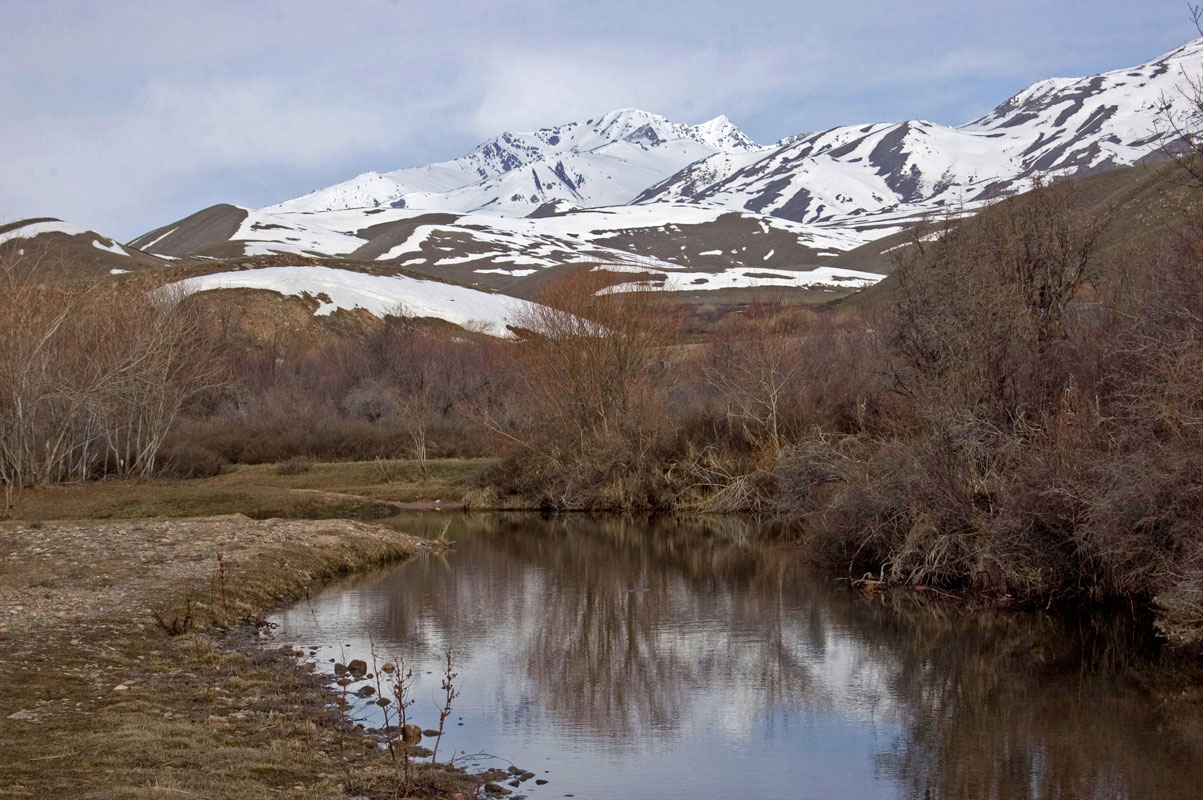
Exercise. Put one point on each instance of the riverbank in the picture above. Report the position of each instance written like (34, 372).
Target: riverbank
(292, 490)
(101, 701)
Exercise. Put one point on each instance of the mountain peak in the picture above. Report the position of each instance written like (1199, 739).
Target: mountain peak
(630, 112)
(1059, 126)
(723, 134)
(514, 173)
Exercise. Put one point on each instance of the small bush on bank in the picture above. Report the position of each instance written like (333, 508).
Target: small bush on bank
(190, 460)
(296, 465)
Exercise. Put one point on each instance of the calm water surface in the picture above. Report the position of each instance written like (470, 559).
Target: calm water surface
(623, 659)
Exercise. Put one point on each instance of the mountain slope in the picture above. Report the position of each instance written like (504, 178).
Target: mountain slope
(499, 252)
(1060, 127)
(50, 243)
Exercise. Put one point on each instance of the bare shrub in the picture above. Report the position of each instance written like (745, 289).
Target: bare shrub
(756, 368)
(398, 390)
(590, 419)
(371, 399)
(976, 483)
(777, 384)
(1145, 500)
(1179, 122)
(590, 361)
(186, 459)
(297, 465)
(982, 312)
(177, 624)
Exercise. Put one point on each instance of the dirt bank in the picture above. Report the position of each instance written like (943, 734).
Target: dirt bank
(100, 701)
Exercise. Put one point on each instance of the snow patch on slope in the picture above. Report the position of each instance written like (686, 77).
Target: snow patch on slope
(113, 248)
(378, 294)
(265, 234)
(38, 228)
(748, 278)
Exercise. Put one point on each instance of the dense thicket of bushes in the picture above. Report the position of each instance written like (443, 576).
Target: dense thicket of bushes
(400, 391)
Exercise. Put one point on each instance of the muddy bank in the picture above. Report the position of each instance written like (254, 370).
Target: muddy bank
(100, 700)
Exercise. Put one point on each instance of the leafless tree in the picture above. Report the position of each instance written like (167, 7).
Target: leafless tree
(756, 368)
(92, 374)
(1178, 130)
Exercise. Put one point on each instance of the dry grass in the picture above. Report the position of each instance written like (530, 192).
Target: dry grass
(341, 489)
(101, 702)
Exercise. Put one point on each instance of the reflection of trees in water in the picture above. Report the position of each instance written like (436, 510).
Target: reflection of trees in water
(636, 625)
(620, 629)
(1036, 706)
(617, 630)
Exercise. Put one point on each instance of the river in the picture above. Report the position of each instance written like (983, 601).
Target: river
(619, 658)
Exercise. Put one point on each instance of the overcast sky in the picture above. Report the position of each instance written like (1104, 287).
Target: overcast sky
(123, 116)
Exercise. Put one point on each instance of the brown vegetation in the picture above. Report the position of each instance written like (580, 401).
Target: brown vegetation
(92, 375)
(587, 417)
(394, 390)
(1045, 447)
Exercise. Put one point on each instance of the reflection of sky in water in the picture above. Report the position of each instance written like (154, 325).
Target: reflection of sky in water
(627, 664)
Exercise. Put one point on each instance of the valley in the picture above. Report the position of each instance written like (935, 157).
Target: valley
(891, 431)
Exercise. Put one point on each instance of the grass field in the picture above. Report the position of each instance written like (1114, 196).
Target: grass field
(361, 489)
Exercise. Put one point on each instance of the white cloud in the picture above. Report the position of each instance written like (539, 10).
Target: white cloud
(106, 167)
(525, 88)
(243, 123)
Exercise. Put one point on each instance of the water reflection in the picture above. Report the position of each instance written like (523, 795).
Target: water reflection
(695, 659)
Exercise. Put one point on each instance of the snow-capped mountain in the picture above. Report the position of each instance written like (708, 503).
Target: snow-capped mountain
(702, 206)
(1057, 127)
(600, 162)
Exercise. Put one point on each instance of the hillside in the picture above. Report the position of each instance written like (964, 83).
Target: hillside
(1142, 205)
(49, 243)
